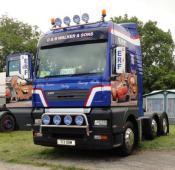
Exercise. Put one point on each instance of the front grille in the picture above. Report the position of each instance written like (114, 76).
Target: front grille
(64, 132)
(67, 95)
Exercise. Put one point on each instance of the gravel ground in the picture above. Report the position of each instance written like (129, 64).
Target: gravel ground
(95, 160)
(10, 166)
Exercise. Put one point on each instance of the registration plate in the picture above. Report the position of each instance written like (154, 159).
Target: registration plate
(66, 142)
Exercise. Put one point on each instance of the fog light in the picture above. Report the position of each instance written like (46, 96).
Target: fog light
(56, 119)
(101, 137)
(79, 120)
(100, 122)
(46, 119)
(67, 120)
(37, 134)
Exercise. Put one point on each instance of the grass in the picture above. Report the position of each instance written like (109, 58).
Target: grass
(160, 143)
(18, 147)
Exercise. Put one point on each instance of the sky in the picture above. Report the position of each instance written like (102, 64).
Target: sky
(39, 12)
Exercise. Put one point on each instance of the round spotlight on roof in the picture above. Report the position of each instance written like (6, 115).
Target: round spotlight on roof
(79, 120)
(46, 119)
(85, 17)
(76, 19)
(56, 119)
(58, 22)
(67, 120)
(66, 20)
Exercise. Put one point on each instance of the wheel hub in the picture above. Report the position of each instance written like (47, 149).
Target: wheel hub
(165, 127)
(129, 138)
(154, 127)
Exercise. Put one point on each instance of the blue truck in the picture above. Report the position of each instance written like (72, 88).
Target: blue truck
(88, 87)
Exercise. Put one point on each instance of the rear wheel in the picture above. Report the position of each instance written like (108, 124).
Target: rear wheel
(165, 125)
(154, 129)
(7, 123)
(128, 139)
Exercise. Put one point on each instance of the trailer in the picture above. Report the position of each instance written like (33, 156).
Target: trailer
(16, 92)
(87, 87)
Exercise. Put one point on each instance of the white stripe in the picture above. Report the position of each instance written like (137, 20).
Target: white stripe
(39, 92)
(125, 37)
(94, 91)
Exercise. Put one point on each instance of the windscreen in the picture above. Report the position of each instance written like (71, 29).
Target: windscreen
(72, 60)
(14, 67)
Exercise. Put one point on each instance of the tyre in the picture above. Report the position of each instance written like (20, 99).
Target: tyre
(154, 129)
(129, 136)
(7, 123)
(164, 125)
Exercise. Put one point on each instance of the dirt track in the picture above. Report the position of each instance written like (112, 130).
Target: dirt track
(9, 166)
(140, 160)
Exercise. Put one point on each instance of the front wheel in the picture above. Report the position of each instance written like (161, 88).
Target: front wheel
(7, 123)
(128, 139)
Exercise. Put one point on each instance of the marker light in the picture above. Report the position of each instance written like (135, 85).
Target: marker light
(79, 120)
(66, 20)
(46, 119)
(103, 13)
(67, 120)
(85, 17)
(56, 119)
(76, 19)
(52, 20)
(58, 22)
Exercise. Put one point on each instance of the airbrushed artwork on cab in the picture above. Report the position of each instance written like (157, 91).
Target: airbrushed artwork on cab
(124, 90)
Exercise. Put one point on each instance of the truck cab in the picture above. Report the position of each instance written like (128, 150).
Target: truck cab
(87, 87)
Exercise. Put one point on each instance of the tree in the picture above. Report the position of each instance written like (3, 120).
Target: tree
(16, 36)
(157, 54)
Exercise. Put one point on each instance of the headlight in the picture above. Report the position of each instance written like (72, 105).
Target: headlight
(56, 119)
(79, 120)
(100, 122)
(46, 119)
(67, 120)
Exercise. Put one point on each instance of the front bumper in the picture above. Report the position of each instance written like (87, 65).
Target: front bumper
(85, 142)
(87, 137)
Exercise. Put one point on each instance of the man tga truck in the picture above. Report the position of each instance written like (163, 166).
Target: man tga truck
(16, 92)
(87, 87)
